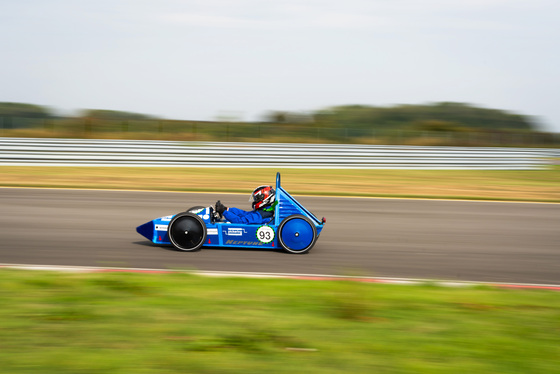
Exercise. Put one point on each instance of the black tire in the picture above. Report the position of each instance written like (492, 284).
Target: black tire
(187, 232)
(297, 234)
(195, 209)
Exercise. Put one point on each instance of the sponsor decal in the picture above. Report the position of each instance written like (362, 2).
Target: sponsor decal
(265, 234)
(166, 218)
(212, 232)
(242, 242)
(161, 227)
(232, 231)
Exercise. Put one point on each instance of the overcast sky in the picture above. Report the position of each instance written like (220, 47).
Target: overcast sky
(202, 59)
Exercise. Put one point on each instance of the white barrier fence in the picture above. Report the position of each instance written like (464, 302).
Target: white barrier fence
(80, 152)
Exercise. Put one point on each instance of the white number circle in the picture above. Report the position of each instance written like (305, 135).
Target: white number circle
(265, 234)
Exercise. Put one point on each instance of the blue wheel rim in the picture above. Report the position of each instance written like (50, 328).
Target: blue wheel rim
(297, 234)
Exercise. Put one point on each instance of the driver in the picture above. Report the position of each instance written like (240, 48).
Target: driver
(263, 201)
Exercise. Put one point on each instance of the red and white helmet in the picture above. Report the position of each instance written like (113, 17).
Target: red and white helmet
(262, 196)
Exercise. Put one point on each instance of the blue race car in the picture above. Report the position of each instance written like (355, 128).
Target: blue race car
(292, 228)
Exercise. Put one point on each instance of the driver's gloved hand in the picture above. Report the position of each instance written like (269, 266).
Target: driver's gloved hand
(220, 208)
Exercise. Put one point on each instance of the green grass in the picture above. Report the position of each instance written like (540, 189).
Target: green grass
(510, 185)
(182, 323)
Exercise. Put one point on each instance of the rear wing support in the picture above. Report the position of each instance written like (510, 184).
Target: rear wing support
(288, 205)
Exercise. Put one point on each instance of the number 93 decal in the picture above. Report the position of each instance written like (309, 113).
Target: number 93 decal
(265, 234)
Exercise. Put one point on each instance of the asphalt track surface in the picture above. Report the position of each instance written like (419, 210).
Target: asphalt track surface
(428, 239)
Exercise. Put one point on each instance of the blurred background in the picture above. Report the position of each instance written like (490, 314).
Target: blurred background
(445, 123)
(399, 72)
(343, 74)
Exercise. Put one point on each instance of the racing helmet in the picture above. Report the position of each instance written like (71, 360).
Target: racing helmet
(262, 196)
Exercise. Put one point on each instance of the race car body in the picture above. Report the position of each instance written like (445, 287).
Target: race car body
(292, 228)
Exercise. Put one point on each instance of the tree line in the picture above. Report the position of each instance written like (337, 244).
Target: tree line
(442, 117)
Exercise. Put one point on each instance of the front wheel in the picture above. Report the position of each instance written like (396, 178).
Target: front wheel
(187, 232)
(297, 234)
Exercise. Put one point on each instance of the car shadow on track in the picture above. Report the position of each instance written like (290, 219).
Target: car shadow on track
(147, 243)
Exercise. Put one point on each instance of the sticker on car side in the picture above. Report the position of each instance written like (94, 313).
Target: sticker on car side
(265, 234)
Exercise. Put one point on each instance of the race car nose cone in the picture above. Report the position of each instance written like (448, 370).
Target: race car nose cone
(146, 230)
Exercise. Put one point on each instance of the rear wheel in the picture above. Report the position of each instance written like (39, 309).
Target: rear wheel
(187, 232)
(297, 234)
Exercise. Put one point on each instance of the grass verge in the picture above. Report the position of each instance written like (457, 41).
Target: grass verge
(182, 323)
(508, 185)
